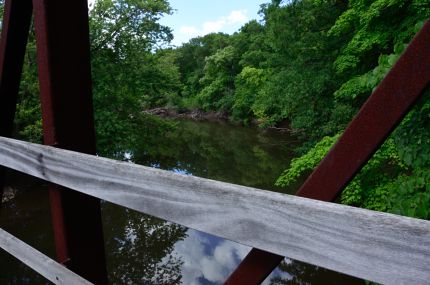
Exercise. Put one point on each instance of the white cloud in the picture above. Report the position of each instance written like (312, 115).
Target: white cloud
(189, 31)
(238, 17)
(213, 27)
(204, 259)
(213, 259)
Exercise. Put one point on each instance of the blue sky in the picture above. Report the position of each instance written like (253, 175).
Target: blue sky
(199, 17)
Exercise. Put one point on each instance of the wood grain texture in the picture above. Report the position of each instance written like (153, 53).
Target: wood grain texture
(48, 268)
(375, 246)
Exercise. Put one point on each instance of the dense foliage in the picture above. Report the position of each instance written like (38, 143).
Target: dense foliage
(127, 75)
(397, 177)
(308, 65)
(311, 65)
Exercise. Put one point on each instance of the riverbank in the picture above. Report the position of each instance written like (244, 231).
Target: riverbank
(211, 116)
(197, 115)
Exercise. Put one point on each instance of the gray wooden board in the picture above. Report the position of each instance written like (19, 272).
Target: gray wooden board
(375, 246)
(48, 268)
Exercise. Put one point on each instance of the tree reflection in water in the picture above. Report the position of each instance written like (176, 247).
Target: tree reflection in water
(219, 151)
(139, 248)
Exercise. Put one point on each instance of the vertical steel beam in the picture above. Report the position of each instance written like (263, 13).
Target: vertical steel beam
(13, 42)
(63, 51)
(378, 117)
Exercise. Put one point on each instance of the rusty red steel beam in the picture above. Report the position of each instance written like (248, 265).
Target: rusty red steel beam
(13, 42)
(63, 52)
(375, 121)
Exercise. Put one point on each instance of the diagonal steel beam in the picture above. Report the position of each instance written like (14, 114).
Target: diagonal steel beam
(378, 117)
(13, 42)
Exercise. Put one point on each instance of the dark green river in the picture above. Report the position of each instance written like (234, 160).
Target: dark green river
(144, 250)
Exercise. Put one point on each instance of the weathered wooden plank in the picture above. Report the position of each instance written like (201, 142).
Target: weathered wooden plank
(48, 268)
(376, 246)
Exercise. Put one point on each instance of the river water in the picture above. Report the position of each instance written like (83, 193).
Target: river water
(145, 250)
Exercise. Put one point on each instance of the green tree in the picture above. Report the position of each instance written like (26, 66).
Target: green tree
(247, 84)
(127, 76)
(301, 77)
(191, 60)
(219, 73)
